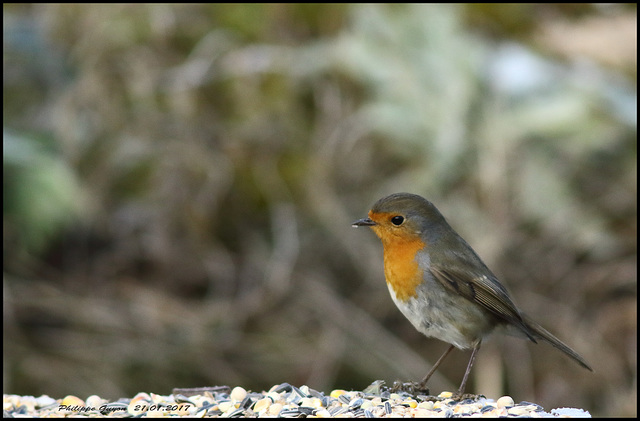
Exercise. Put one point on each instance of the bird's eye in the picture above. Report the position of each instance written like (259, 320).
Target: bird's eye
(397, 220)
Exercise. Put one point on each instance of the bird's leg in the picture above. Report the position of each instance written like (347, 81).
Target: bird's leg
(424, 381)
(466, 374)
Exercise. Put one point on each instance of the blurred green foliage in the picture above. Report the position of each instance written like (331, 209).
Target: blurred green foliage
(40, 195)
(187, 221)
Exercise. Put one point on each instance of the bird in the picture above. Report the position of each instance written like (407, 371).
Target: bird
(441, 285)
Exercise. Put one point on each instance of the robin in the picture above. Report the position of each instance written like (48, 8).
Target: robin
(441, 285)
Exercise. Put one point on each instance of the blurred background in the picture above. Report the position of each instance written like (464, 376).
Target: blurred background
(180, 182)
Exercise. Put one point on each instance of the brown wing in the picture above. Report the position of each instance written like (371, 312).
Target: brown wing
(485, 291)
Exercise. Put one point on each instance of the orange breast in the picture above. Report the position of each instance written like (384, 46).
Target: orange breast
(400, 266)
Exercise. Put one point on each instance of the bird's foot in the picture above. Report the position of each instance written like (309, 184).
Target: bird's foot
(464, 396)
(412, 388)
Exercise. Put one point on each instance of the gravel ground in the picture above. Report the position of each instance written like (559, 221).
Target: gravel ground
(282, 400)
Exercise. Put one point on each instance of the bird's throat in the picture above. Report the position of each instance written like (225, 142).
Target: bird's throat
(401, 268)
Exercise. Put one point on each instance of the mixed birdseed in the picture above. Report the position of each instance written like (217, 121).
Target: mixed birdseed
(282, 400)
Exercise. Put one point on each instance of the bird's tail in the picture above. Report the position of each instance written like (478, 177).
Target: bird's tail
(542, 333)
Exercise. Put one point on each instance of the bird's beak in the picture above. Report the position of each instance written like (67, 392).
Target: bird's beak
(366, 222)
